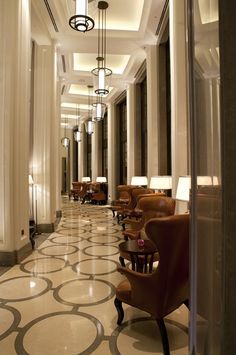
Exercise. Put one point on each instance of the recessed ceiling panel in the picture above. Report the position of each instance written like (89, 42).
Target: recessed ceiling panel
(87, 62)
(124, 14)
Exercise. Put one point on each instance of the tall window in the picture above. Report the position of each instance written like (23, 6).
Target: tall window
(143, 126)
(104, 146)
(89, 155)
(122, 139)
(75, 158)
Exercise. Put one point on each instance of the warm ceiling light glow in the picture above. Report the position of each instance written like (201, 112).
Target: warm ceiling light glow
(85, 62)
(130, 14)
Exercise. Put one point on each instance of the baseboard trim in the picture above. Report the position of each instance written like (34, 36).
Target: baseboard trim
(45, 228)
(11, 258)
(59, 214)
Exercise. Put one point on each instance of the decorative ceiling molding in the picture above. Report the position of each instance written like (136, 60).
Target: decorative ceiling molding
(162, 18)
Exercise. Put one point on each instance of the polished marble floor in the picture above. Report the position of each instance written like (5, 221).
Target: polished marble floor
(59, 300)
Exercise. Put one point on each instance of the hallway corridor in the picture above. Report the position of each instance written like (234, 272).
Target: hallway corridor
(59, 300)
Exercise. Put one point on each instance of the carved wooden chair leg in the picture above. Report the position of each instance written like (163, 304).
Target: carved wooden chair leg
(122, 262)
(120, 311)
(164, 336)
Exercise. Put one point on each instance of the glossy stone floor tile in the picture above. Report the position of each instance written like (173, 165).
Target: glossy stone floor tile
(60, 299)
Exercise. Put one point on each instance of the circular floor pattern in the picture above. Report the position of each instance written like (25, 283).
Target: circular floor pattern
(58, 250)
(23, 288)
(10, 319)
(103, 230)
(49, 334)
(102, 267)
(84, 292)
(70, 231)
(77, 225)
(143, 335)
(101, 250)
(101, 239)
(66, 240)
(43, 265)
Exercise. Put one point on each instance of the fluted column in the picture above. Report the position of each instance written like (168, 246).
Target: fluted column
(178, 65)
(44, 137)
(153, 115)
(131, 133)
(14, 128)
(97, 151)
(112, 144)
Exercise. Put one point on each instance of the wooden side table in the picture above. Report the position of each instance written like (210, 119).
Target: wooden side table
(141, 257)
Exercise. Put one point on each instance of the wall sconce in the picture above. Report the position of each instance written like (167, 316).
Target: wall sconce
(81, 21)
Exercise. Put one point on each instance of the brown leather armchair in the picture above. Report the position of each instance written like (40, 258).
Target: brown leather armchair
(166, 289)
(129, 210)
(123, 199)
(76, 187)
(152, 206)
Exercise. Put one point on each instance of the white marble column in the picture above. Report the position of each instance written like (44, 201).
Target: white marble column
(153, 115)
(111, 152)
(178, 67)
(96, 152)
(131, 133)
(57, 141)
(81, 155)
(44, 152)
(14, 127)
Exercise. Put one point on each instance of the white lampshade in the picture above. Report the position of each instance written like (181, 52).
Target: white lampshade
(139, 181)
(31, 181)
(161, 182)
(101, 179)
(85, 179)
(183, 188)
(204, 180)
(215, 180)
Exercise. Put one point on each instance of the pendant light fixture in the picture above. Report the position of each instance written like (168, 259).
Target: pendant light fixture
(77, 134)
(81, 21)
(89, 124)
(99, 109)
(101, 73)
(65, 141)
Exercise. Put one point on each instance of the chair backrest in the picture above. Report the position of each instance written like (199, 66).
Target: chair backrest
(135, 192)
(170, 280)
(156, 206)
(123, 192)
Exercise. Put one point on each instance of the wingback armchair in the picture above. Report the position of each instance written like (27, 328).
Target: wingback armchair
(152, 206)
(167, 288)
